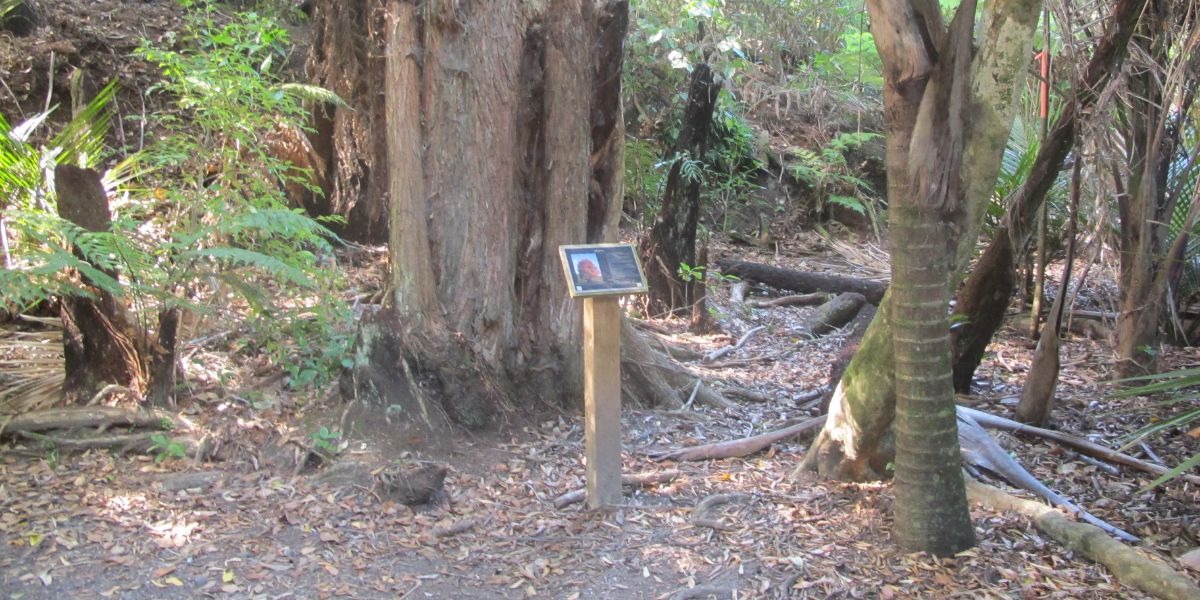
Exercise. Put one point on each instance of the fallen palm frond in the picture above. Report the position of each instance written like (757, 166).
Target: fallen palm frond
(31, 370)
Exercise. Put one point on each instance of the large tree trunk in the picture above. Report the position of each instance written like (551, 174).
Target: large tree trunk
(856, 442)
(498, 149)
(672, 238)
(985, 294)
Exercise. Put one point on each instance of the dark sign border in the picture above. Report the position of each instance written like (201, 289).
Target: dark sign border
(610, 274)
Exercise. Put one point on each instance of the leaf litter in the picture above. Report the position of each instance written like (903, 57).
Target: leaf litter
(117, 526)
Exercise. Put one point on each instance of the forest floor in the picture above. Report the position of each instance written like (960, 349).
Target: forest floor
(101, 524)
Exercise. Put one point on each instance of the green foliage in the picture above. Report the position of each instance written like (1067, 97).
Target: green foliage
(201, 216)
(325, 441)
(828, 172)
(164, 447)
(1181, 387)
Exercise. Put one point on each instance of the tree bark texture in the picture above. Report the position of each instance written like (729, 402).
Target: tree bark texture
(984, 296)
(493, 147)
(672, 238)
(931, 505)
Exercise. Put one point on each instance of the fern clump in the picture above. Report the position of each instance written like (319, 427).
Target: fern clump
(200, 216)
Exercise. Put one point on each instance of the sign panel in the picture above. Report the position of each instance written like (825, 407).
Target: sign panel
(602, 270)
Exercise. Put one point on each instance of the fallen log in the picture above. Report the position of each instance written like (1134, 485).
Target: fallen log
(1131, 568)
(804, 281)
(198, 449)
(1084, 446)
(636, 480)
(832, 314)
(741, 447)
(93, 416)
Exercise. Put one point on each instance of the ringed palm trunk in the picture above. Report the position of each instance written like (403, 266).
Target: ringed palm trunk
(931, 502)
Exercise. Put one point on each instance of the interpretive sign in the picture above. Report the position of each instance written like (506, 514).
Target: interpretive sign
(602, 270)
(601, 274)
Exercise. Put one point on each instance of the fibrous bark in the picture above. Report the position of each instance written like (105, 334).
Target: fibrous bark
(99, 339)
(494, 147)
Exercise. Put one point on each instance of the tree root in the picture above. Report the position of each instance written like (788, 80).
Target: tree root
(702, 514)
(742, 447)
(1130, 567)
(93, 416)
(715, 354)
(655, 380)
(638, 480)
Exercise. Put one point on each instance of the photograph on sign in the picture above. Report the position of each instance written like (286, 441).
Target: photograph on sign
(602, 269)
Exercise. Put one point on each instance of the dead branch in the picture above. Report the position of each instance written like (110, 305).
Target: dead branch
(1131, 568)
(793, 300)
(93, 416)
(635, 481)
(979, 449)
(198, 449)
(742, 447)
(715, 354)
(745, 362)
(453, 529)
(702, 514)
(1086, 447)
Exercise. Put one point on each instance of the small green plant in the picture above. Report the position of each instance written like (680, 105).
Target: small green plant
(828, 172)
(164, 447)
(325, 441)
(1181, 387)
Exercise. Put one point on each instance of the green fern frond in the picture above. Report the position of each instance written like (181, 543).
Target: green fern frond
(249, 258)
(313, 93)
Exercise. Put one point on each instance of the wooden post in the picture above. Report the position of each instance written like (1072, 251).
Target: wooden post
(602, 399)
